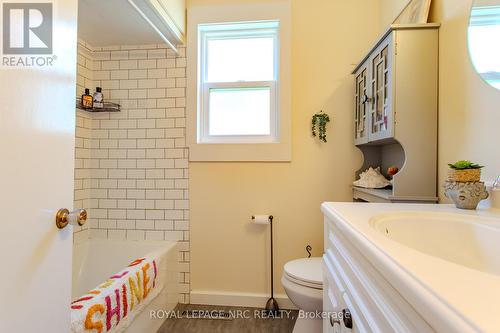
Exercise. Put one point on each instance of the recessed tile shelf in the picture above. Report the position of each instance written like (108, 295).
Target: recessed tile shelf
(108, 107)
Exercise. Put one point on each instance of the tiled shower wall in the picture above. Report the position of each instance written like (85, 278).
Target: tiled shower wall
(132, 166)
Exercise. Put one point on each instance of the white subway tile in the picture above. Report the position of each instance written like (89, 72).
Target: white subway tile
(117, 234)
(147, 64)
(128, 64)
(125, 224)
(138, 73)
(110, 65)
(173, 235)
(136, 214)
(145, 163)
(167, 225)
(146, 143)
(155, 214)
(138, 54)
(138, 93)
(145, 204)
(136, 194)
(148, 84)
(145, 224)
(128, 84)
(158, 73)
(137, 133)
(126, 204)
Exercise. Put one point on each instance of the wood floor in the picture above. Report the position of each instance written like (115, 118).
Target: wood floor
(245, 320)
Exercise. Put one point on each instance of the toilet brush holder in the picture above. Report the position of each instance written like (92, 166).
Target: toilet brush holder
(271, 304)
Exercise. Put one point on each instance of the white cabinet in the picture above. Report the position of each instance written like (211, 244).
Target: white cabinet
(397, 77)
(352, 284)
(396, 112)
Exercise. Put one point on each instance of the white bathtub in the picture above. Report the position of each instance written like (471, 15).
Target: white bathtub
(95, 260)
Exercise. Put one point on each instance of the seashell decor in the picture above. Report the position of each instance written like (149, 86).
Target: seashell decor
(372, 178)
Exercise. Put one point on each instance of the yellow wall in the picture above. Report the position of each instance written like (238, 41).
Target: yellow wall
(228, 253)
(469, 113)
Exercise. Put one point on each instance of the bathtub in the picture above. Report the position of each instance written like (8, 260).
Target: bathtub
(95, 260)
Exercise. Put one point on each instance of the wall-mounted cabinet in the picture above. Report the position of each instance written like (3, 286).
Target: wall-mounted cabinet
(396, 105)
(374, 111)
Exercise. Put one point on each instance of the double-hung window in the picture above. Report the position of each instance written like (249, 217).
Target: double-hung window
(238, 82)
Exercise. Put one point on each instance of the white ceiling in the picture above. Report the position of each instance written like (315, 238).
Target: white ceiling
(113, 22)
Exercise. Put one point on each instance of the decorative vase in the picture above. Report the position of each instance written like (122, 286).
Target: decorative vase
(464, 176)
(465, 195)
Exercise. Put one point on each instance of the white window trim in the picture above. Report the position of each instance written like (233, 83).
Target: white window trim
(275, 147)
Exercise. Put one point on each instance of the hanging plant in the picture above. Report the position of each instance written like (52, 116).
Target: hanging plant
(318, 125)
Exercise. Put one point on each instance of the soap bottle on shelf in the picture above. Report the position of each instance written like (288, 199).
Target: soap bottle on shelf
(495, 194)
(98, 98)
(87, 100)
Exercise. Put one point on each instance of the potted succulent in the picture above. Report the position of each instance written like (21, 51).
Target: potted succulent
(464, 185)
(464, 172)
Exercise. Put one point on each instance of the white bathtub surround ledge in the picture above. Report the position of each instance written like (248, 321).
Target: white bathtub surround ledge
(450, 295)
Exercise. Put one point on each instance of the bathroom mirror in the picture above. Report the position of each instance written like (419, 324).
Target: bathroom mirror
(484, 45)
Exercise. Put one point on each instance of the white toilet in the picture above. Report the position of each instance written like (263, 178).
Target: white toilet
(303, 283)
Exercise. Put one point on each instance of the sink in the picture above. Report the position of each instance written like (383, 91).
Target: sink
(470, 241)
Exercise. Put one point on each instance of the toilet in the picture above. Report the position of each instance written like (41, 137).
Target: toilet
(303, 283)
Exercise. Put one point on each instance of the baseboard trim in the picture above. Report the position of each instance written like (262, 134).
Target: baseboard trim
(251, 300)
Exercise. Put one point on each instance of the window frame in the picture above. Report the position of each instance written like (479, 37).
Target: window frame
(239, 30)
(229, 13)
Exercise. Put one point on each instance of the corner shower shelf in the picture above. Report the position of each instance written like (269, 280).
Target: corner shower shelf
(108, 107)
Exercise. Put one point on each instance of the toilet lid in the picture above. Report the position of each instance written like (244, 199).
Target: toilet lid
(307, 270)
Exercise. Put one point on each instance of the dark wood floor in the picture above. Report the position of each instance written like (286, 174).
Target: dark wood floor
(245, 320)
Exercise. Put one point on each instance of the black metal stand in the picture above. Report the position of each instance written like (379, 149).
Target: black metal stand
(272, 305)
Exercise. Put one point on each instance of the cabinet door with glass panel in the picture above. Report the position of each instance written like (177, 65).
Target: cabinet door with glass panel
(381, 113)
(362, 104)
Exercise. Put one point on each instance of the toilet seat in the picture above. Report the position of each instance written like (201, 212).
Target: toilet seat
(306, 272)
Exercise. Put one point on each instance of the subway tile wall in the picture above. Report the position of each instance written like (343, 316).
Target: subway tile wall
(132, 166)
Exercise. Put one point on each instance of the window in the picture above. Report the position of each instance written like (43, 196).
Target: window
(238, 80)
(238, 87)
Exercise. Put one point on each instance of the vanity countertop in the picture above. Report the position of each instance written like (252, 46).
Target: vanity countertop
(452, 297)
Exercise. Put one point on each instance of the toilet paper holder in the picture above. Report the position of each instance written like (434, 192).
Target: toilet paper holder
(271, 304)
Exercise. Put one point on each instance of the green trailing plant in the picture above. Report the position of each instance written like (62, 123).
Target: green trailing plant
(465, 165)
(318, 125)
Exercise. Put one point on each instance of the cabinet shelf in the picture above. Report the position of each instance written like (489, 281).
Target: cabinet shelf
(385, 195)
(108, 107)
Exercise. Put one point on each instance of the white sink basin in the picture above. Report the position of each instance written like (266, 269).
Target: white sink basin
(470, 241)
